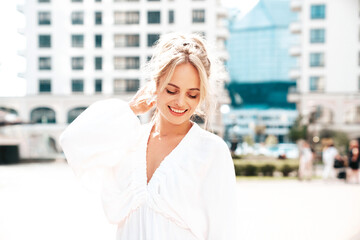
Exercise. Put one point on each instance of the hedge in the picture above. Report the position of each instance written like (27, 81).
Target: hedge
(265, 167)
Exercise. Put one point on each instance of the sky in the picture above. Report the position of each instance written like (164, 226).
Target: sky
(11, 42)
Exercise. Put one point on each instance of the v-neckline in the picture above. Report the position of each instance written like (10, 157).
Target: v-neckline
(167, 156)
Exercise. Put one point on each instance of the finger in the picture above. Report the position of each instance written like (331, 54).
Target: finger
(152, 104)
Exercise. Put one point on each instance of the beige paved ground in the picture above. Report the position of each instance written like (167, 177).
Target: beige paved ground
(44, 201)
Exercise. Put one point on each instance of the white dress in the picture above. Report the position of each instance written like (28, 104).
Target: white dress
(191, 195)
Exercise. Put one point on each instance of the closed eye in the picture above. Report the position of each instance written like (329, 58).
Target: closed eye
(193, 96)
(170, 92)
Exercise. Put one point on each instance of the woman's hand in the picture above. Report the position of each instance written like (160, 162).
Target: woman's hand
(143, 100)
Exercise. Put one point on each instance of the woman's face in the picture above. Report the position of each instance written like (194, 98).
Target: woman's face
(179, 99)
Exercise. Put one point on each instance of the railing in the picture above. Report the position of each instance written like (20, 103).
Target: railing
(296, 5)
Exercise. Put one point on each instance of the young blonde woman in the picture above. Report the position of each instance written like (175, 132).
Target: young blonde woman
(168, 179)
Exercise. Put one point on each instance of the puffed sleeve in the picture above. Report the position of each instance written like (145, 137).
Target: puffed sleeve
(219, 194)
(99, 138)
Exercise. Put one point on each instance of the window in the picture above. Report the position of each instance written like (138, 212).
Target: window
(359, 83)
(43, 115)
(154, 17)
(318, 11)
(126, 0)
(44, 63)
(132, 17)
(203, 34)
(76, 0)
(126, 85)
(153, 0)
(77, 18)
(98, 41)
(77, 63)
(126, 63)
(44, 41)
(317, 84)
(152, 38)
(127, 40)
(171, 16)
(97, 0)
(317, 60)
(98, 85)
(74, 113)
(44, 18)
(317, 35)
(77, 85)
(43, 1)
(98, 63)
(44, 85)
(198, 16)
(77, 40)
(98, 18)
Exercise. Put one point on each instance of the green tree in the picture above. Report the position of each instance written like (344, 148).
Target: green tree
(298, 130)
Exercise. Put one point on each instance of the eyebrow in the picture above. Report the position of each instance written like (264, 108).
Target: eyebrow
(188, 89)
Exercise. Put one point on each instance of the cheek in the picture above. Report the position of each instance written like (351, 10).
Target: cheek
(162, 100)
(195, 104)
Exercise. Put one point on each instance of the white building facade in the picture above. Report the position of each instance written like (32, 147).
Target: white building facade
(81, 51)
(328, 69)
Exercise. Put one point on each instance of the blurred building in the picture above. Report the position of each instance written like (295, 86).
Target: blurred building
(81, 51)
(328, 64)
(259, 62)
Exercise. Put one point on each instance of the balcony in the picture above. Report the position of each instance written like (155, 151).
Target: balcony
(294, 73)
(295, 5)
(293, 95)
(20, 8)
(222, 33)
(21, 53)
(295, 28)
(21, 31)
(21, 75)
(222, 12)
(295, 51)
(223, 54)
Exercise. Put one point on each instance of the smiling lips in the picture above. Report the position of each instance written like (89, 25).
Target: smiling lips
(177, 112)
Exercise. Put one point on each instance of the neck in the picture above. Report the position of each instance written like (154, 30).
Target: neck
(164, 128)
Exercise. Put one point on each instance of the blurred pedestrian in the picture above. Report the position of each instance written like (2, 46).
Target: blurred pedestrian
(328, 156)
(354, 162)
(306, 162)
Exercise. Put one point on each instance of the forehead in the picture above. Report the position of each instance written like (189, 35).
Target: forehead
(186, 76)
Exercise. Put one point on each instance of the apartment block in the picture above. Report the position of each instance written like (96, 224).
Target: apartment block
(328, 64)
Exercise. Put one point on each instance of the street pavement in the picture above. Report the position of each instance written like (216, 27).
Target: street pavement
(45, 201)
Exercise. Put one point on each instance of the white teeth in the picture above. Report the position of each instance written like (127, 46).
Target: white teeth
(177, 111)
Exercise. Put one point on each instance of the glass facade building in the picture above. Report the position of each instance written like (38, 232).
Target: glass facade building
(259, 65)
(259, 45)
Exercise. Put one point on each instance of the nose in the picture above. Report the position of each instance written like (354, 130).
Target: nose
(180, 100)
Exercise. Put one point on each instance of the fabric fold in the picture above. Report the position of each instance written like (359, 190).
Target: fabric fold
(191, 195)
